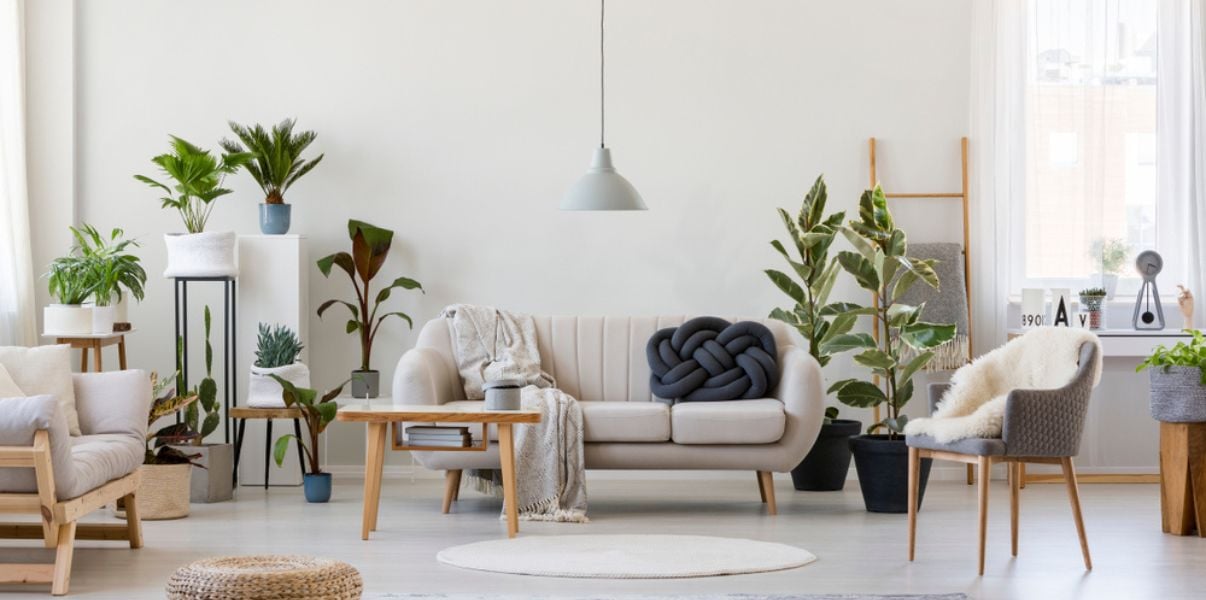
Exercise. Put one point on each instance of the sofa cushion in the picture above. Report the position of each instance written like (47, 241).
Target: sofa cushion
(101, 458)
(44, 370)
(20, 419)
(758, 421)
(626, 421)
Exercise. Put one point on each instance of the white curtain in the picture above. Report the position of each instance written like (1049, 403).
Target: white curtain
(1181, 131)
(17, 308)
(996, 136)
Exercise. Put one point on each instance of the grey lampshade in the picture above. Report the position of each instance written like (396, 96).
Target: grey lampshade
(602, 188)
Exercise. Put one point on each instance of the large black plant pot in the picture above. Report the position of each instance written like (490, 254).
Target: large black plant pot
(883, 472)
(827, 464)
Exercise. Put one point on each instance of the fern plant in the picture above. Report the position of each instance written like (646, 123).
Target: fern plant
(196, 177)
(278, 161)
(276, 347)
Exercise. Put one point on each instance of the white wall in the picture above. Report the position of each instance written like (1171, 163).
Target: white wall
(460, 124)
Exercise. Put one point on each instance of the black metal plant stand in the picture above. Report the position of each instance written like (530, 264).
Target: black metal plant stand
(229, 337)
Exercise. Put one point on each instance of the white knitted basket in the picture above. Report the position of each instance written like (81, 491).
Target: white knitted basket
(205, 254)
(264, 392)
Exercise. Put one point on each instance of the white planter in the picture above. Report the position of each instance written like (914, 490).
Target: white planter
(121, 310)
(205, 254)
(67, 320)
(102, 319)
(264, 392)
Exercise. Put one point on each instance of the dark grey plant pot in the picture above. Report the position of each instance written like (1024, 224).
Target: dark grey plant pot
(275, 218)
(828, 462)
(1178, 395)
(213, 483)
(366, 384)
(883, 473)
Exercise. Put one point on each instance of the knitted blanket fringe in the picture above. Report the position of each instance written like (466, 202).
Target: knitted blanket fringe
(947, 357)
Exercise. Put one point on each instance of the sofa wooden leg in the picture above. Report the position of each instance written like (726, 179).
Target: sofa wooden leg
(761, 490)
(452, 484)
(62, 559)
(766, 484)
(133, 521)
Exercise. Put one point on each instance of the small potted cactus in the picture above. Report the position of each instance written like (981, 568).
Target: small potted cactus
(1092, 300)
(277, 353)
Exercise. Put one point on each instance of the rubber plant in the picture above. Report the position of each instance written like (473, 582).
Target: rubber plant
(317, 412)
(196, 177)
(370, 247)
(277, 162)
(811, 233)
(880, 264)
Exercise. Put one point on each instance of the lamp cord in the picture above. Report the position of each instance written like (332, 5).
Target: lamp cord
(602, 83)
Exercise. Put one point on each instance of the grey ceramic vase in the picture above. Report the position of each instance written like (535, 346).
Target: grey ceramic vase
(1178, 395)
(366, 384)
(274, 218)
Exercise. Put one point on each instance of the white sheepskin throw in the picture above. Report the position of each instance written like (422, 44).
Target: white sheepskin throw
(974, 406)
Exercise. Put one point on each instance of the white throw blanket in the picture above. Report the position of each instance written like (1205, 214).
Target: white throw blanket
(974, 406)
(492, 344)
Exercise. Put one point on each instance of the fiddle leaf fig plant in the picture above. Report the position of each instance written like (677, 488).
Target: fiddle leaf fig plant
(881, 265)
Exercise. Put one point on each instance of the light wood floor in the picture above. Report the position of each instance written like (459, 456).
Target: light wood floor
(858, 551)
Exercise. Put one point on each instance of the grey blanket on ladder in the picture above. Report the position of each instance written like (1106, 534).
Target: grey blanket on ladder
(947, 305)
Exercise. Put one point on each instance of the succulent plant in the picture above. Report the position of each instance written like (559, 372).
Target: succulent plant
(276, 347)
(1093, 292)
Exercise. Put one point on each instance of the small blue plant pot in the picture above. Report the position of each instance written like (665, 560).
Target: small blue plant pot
(317, 487)
(274, 218)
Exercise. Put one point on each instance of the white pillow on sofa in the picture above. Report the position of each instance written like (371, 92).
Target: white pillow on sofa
(44, 370)
(8, 387)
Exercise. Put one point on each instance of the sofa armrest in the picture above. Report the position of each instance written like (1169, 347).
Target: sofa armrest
(422, 377)
(113, 402)
(802, 391)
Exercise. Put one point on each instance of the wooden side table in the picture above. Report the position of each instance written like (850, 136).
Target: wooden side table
(1183, 478)
(95, 342)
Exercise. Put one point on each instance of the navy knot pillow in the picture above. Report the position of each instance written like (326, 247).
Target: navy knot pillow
(708, 359)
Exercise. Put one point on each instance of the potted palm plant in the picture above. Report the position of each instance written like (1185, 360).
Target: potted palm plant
(277, 165)
(277, 352)
(318, 412)
(117, 273)
(73, 282)
(196, 178)
(370, 247)
(811, 234)
(882, 266)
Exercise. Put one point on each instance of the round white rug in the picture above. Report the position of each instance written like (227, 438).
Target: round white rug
(625, 556)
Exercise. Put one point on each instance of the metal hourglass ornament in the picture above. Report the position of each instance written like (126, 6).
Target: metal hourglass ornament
(1148, 264)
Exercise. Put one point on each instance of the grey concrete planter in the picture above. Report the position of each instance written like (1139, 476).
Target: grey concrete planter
(214, 482)
(1178, 395)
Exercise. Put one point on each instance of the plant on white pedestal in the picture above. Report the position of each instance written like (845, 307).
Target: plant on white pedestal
(277, 352)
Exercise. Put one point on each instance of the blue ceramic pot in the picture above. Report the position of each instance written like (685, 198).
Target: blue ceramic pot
(317, 487)
(274, 218)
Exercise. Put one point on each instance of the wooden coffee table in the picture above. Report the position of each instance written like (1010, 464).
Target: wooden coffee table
(380, 415)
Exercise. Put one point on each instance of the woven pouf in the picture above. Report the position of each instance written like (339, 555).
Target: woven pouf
(265, 578)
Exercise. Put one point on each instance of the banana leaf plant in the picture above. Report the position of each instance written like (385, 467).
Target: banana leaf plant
(370, 247)
(318, 412)
(811, 233)
(881, 265)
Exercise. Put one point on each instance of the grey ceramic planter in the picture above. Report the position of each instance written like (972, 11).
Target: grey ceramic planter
(275, 218)
(1178, 395)
(366, 384)
(213, 483)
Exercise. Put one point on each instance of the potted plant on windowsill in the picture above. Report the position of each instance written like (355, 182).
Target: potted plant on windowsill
(196, 177)
(1178, 380)
(882, 266)
(370, 248)
(1093, 299)
(277, 164)
(277, 351)
(116, 273)
(317, 413)
(1113, 254)
(72, 282)
(811, 234)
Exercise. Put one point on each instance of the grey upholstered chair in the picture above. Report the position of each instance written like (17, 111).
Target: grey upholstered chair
(1040, 426)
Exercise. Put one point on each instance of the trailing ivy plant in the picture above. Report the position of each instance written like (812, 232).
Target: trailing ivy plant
(1192, 354)
(811, 233)
(881, 265)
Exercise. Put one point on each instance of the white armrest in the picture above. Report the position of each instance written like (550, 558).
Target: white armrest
(802, 391)
(422, 377)
(113, 402)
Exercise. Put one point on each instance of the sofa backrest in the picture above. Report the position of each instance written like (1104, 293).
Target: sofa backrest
(594, 358)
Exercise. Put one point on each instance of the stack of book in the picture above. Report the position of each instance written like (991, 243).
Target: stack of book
(435, 435)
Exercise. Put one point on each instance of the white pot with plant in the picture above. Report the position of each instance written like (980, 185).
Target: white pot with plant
(72, 282)
(277, 165)
(197, 181)
(277, 351)
(1114, 255)
(115, 271)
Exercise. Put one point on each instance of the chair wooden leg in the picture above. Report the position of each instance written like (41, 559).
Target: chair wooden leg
(1022, 476)
(1015, 482)
(983, 476)
(914, 483)
(133, 521)
(971, 474)
(1074, 498)
(84, 359)
(766, 483)
(62, 559)
(452, 482)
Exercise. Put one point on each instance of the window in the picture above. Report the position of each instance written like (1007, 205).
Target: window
(1090, 141)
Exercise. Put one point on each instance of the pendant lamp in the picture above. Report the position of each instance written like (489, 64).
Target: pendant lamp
(602, 187)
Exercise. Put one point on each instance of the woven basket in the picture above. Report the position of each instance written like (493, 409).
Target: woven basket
(265, 578)
(164, 492)
(1178, 395)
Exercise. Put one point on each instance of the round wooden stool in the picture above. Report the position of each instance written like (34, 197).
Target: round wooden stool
(265, 577)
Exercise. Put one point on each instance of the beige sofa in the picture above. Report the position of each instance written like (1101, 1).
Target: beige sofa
(601, 362)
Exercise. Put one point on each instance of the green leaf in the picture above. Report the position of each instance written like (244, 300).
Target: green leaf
(923, 269)
(787, 317)
(847, 341)
(842, 324)
(410, 323)
(875, 359)
(405, 283)
(861, 268)
(838, 385)
(904, 393)
(861, 394)
(900, 315)
(923, 336)
(327, 411)
(896, 244)
(281, 447)
(352, 325)
(824, 285)
(860, 243)
(919, 361)
(343, 260)
(896, 425)
(212, 420)
(329, 303)
(838, 308)
(831, 412)
(785, 283)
